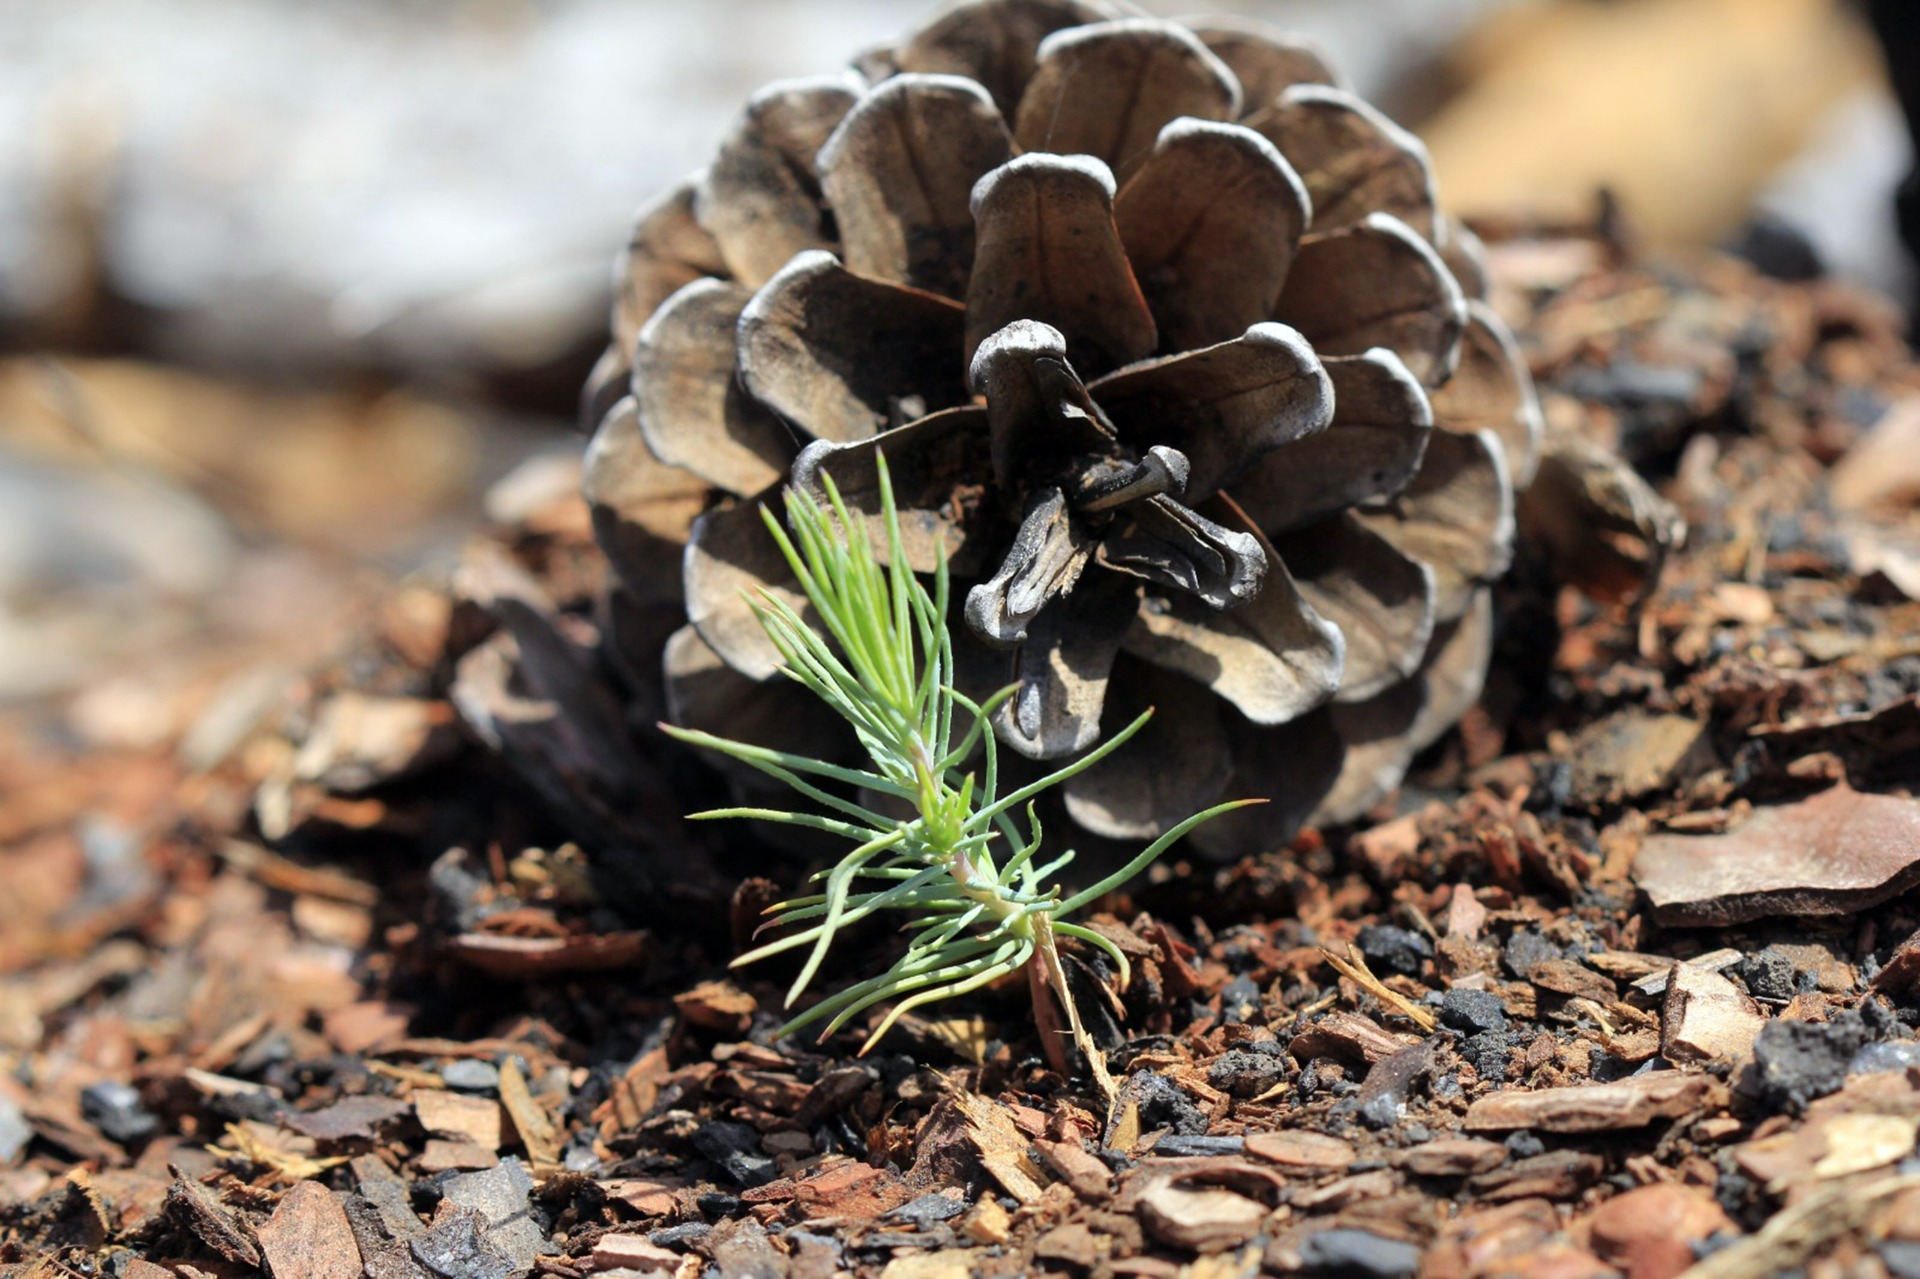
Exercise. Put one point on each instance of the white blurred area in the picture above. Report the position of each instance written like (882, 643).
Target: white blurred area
(419, 184)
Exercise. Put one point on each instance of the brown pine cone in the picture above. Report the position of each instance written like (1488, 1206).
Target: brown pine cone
(1155, 323)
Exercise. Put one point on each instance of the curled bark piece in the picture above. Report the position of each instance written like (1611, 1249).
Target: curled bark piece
(1048, 251)
(899, 174)
(1224, 407)
(1602, 527)
(1354, 160)
(1377, 284)
(693, 411)
(1106, 90)
(760, 200)
(843, 357)
(1211, 222)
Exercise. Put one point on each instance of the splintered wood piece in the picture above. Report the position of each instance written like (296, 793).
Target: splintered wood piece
(1630, 1103)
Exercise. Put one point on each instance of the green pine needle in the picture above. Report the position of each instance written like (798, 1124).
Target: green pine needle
(885, 665)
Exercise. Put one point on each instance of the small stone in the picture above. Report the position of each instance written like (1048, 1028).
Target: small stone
(455, 1247)
(1879, 1058)
(1527, 950)
(1240, 1000)
(1205, 1221)
(1798, 1061)
(1650, 1232)
(928, 1210)
(1358, 1254)
(736, 1148)
(1769, 974)
(1473, 1012)
(500, 1196)
(470, 1074)
(673, 1236)
(1246, 1074)
(1394, 950)
(114, 1108)
(1706, 1018)
(1162, 1104)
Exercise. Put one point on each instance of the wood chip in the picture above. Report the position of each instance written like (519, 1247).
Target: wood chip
(632, 1252)
(1631, 1103)
(1707, 1018)
(1306, 1151)
(529, 1120)
(1452, 1157)
(1205, 1221)
(308, 1236)
(475, 1120)
(1837, 853)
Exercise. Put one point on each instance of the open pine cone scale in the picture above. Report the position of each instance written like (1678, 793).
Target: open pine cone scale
(1154, 324)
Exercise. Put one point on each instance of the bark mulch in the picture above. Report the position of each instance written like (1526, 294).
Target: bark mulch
(425, 977)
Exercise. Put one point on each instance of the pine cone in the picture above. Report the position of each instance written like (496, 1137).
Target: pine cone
(1154, 323)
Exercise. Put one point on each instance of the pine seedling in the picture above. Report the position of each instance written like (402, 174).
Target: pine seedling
(965, 868)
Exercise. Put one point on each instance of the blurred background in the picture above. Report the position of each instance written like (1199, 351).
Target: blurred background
(285, 288)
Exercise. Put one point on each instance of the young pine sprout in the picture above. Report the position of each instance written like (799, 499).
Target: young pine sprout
(965, 869)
